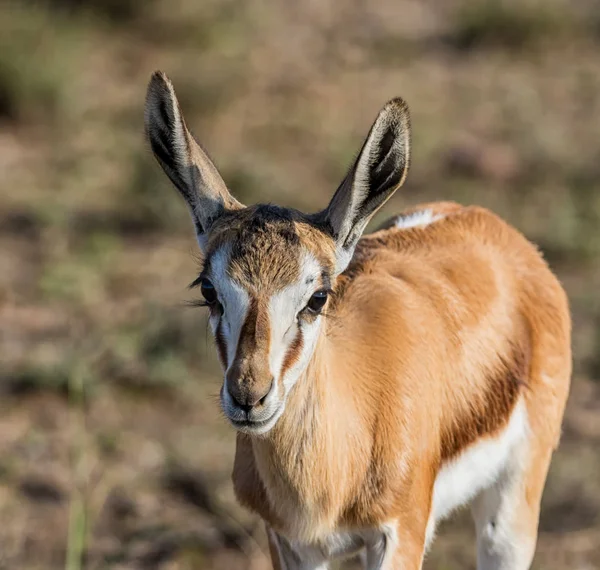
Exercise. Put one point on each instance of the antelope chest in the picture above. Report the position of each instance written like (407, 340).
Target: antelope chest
(304, 514)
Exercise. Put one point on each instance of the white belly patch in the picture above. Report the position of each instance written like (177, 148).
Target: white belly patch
(475, 469)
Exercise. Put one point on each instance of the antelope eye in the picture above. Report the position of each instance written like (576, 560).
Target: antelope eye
(317, 301)
(208, 291)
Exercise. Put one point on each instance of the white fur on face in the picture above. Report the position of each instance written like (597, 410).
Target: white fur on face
(233, 298)
(235, 302)
(284, 307)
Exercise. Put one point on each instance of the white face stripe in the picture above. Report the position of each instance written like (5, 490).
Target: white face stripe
(283, 309)
(234, 299)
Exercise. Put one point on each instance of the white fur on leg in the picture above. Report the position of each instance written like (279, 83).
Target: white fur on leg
(501, 545)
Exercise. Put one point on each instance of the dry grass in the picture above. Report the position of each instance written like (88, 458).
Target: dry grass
(97, 249)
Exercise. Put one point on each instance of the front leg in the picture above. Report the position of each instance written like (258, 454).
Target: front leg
(285, 556)
(391, 548)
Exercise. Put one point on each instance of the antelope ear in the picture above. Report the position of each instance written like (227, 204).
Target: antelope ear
(378, 171)
(183, 159)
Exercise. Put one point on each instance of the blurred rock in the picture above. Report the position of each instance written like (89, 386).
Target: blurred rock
(41, 490)
(192, 488)
(120, 505)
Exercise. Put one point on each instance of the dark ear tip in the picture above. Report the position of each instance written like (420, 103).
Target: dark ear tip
(159, 85)
(397, 103)
(397, 108)
(160, 97)
(159, 77)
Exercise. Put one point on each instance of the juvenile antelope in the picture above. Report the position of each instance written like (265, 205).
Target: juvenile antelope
(376, 383)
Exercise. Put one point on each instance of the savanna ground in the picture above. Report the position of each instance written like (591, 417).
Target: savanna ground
(112, 450)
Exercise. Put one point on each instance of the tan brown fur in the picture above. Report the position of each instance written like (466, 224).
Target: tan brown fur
(440, 328)
(266, 244)
(266, 247)
(249, 378)
(437, 331)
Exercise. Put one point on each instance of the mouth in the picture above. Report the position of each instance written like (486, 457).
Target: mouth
(249, 424)
(243, 421)
(255, 427)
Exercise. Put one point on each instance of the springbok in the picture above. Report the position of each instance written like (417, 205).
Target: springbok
(376, 382)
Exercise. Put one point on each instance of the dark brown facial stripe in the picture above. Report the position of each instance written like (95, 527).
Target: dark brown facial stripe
(255, 331)
(293, 353)
(221, 345)
(250, 373)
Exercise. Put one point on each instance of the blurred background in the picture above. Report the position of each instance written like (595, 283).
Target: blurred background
(112, 450)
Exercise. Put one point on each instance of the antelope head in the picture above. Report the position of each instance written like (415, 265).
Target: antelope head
(268, 272)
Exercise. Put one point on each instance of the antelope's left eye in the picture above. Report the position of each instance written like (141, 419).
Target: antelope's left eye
(317, 301)
(208, 291)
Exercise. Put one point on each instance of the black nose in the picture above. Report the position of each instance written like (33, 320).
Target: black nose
(248, 397)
